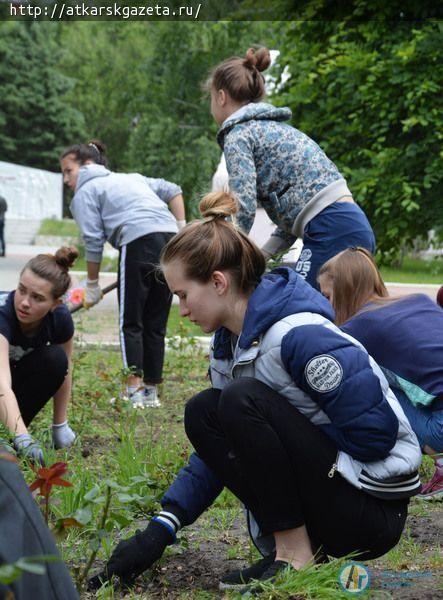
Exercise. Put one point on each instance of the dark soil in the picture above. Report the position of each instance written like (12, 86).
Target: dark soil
(200, 565)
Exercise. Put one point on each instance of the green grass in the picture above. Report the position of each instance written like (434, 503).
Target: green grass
(178, 325)
(415, 270)
(64, 227)
(134, 456)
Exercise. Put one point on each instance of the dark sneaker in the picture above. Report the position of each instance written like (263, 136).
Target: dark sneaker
(238, 579)
(268, 576)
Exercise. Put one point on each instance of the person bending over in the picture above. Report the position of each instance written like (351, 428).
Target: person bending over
(271, 163)
(138, 215)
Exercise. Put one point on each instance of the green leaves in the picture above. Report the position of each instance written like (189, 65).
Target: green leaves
(370, 94)
(31, 564)
(35, 121)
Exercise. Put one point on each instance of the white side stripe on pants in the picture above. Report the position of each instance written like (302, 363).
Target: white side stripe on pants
(122, 304)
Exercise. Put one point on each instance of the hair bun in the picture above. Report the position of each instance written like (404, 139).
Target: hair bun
(260, 58)
(218, 204)
(98, 145)
(66, 256)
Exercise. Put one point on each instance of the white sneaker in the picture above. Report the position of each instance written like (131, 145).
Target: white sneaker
(145, 398)
(138, 398)
(151, 398)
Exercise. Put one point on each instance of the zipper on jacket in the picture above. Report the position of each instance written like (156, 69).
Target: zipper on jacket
(240, 364)
(333, 468)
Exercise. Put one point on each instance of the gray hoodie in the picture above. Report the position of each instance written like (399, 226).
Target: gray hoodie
(120, 207)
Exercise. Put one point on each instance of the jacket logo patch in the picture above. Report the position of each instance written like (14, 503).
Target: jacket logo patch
(323, 373)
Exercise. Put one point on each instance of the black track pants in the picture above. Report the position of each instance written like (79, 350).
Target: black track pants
(145, 301)
(277, 462)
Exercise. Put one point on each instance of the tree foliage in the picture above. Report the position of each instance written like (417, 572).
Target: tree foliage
(175, 135)
(371, 94)
(35, 120)
(107, 62)
(138, 86)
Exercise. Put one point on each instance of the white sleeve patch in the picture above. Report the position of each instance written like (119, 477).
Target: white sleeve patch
(323, 373)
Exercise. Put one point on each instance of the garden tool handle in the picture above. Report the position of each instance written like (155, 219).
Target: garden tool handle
(105, 290)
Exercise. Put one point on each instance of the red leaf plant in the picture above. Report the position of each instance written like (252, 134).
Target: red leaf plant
(47, 477)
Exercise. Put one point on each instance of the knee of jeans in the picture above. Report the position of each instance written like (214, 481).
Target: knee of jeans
(55, 361)
(197, 408)
(234, 399)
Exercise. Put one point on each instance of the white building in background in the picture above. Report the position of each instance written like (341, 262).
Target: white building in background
(31, 193)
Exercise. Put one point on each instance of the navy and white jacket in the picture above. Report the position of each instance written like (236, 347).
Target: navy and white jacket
(120, 207)
(290, 343)
(270, 162)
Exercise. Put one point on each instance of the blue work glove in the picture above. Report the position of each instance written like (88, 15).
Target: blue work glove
(27, 447)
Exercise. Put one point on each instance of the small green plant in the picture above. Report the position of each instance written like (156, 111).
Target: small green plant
(103, 511)
(405, 552)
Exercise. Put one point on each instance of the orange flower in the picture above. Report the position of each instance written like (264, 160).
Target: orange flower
(49, 476)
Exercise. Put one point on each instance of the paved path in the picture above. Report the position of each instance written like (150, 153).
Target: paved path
(12, 264)
(99, 325)
(18, 255)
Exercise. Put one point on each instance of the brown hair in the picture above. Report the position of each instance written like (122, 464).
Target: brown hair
(355, 280)
(241, 77)
(54, 268)
(93, 150)
(214, 244)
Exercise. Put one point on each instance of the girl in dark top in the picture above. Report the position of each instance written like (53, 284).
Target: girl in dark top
(36, 340)
(405, 337)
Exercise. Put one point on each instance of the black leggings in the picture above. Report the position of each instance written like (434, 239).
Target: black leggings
(144, 303)
(36, 377)
(277, 463)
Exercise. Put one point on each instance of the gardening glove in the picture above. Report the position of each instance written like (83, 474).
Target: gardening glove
(133, 556)
(62, 435)
(26, 447)
(93, 293)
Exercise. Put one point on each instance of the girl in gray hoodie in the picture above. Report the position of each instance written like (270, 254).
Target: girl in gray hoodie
(138, 215)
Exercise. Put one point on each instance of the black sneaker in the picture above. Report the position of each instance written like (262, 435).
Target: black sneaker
(238, 579)
(267, 576)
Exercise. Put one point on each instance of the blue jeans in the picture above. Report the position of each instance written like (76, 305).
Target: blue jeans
(338, 226)
(426, 423)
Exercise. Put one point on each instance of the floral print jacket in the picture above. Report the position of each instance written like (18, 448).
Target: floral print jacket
(275, 164)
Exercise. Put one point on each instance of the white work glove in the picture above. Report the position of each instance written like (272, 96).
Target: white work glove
(27, 447)
(93, 293)
(62, 435)
(181, 223)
